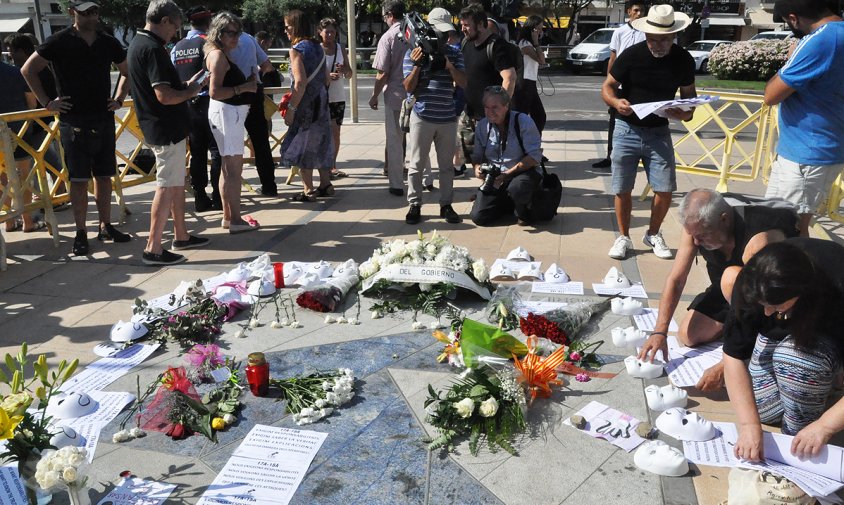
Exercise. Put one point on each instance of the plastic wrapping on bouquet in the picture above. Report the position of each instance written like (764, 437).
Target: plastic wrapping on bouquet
(258, 374)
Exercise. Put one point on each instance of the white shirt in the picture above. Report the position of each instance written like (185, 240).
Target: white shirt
(625, 37)
(531, 69)
(336, 89)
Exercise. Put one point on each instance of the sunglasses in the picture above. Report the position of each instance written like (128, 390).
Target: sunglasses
(233, 33)
(494, 89)
(93, 11)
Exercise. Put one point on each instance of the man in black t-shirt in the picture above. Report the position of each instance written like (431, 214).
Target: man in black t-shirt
(481, 70)
(188, 57)
(82, 57)
(160, 98)
(649, 71)
(727, 230)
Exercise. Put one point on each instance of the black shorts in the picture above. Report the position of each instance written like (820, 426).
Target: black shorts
(337, 110)
(712, 304)
(89, 150)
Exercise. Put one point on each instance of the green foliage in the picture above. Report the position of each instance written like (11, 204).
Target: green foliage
(479, 385)
(433, 302)
(273, 11)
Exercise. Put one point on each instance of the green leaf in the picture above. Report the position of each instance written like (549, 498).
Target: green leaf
(10, 363)
(478, 391)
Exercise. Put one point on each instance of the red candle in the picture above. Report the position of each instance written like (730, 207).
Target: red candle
(258, 374)
(278, 270)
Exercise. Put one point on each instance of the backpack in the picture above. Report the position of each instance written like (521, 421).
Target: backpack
(547, 199)
(515, 53)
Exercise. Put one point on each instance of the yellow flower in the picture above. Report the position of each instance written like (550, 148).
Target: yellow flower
(8, 425)
(16, 404)
(218, 423)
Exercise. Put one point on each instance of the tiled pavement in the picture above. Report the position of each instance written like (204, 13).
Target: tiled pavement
(63, 306)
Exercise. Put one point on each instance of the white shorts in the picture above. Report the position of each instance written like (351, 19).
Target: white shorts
(170, 164)
(227, 125)
(806, 186)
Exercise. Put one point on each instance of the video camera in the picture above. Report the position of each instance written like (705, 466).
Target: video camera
(418, 33)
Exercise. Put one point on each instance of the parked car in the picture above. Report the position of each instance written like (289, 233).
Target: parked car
(700, 52)
(593, 53)
(779, 35)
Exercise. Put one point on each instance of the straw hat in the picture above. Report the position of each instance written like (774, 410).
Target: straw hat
(662, 19)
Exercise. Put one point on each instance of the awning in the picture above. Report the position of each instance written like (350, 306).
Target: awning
(726, 21)
(12, 25)
(762, 19)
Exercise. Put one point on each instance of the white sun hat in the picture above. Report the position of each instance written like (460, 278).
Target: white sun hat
(661, 20)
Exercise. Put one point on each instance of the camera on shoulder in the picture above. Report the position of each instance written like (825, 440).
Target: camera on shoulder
(418, 33)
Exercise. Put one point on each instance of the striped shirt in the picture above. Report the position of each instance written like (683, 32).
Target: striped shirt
(435, 90)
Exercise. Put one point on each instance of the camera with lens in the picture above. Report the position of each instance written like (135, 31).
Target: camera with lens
(491, 173)
(418, 33)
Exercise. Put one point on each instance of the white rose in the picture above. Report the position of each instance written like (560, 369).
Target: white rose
(342, 320)
(229, 419)
(329, 319)
(354, 321)
(489, 407)
(50, 480)
(275, 324)
(465, 407)
(480, 271)
(69, 475)
(376, 314)
(417, 325)
(137, 433)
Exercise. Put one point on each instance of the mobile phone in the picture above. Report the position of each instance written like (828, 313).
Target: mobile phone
(202, 76)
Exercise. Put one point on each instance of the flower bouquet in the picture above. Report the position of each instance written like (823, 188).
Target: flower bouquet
(421, 273)
(176, 409)
(314, 396)
(60, 470)
(204, 359)
(27, 434)
(483, 404)
(326, 296)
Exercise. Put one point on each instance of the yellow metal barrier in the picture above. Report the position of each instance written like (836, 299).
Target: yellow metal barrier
(49, 183)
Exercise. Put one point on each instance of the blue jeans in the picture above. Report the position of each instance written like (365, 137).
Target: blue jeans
(651, 146)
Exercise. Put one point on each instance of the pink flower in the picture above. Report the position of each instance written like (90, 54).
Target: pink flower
(582, 377)
(574, 356)
(205, 354)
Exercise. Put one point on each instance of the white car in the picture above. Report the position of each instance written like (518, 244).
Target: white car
(700, 52)
(593, 53)
(779, 35)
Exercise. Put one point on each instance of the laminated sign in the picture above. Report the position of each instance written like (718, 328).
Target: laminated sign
(425, 274)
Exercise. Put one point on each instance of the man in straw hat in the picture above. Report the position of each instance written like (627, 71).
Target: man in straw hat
(649, 71)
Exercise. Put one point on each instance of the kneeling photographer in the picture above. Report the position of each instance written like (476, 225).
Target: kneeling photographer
(506, 157)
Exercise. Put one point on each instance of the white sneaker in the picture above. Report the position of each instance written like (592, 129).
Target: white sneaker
(658, 244)
(620, 247)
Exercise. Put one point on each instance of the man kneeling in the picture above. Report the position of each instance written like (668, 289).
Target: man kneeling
(506, 157)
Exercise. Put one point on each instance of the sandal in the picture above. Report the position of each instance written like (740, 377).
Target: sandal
(326, 191)
(37, 225)
(304, 197)
(338, 174)
(17, 225)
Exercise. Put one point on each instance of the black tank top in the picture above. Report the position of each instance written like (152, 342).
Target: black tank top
(234, 77)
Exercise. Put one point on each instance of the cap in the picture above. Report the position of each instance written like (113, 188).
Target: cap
(197, 13)
(84, 5)
(441, 20)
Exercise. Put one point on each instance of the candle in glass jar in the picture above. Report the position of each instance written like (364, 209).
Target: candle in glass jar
(258, 374)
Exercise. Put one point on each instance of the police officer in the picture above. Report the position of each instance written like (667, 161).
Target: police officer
(189, 59)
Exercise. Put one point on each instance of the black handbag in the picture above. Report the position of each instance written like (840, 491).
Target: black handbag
(547, 198)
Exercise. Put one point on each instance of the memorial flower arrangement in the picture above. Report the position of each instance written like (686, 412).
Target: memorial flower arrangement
(198, 324)
(327, 295)
(28, 434)
(435, 251)
(61, 470)
(203, 359)
(482, 404)
(314, 396)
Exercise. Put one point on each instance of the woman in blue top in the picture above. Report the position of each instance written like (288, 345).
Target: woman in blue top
(308, 144)
(498, 145)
